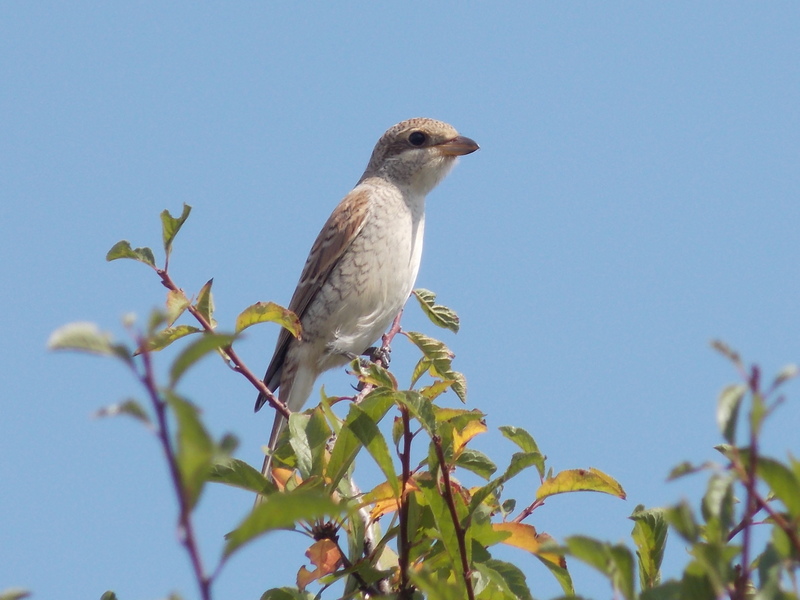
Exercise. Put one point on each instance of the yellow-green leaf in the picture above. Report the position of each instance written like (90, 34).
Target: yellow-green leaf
(728, 410)
(205, 302)
(580, 480)
(87, 337)
(373, 374)
(441, 316)
(170, 226)
(165, 337)
(262, 312)
(177, 302)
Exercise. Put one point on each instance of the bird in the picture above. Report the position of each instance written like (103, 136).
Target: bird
(363, 264)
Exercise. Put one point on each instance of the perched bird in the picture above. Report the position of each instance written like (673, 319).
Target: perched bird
(363, 264)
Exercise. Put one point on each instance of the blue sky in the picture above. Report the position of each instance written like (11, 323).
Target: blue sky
(635, 196)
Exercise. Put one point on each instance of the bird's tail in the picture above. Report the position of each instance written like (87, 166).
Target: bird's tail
(294, 394)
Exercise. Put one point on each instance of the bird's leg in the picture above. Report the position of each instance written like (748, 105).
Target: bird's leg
(383, 355)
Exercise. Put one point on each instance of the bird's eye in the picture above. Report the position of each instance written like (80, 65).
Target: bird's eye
(417, 138)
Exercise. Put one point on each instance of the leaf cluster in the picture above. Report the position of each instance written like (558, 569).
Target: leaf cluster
(421, 532)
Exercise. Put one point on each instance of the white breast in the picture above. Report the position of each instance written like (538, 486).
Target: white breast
(377, 274)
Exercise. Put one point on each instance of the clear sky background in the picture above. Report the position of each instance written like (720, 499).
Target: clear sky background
(635, 196)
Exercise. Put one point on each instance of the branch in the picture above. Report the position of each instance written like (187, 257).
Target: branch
(388, 337)
(466, 572)
(238, 364)
(186, 529)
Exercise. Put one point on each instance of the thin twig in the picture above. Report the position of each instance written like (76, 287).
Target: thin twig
(527, 511)
(466, 572)
(403, 545)
(746, 520)
(186, 528)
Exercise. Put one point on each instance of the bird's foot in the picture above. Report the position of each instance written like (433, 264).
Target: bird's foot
(382, 355)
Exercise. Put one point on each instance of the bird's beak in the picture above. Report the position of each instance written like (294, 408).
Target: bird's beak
(458, 146)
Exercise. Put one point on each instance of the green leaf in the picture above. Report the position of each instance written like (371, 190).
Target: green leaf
(438, 359)
(420, 369)
(443, 522)
(435, 587)
(368, 434)
(123, 249)
(129, 407)
(560, 573)
(195, 447)
(459, 385)
(269, 312)
(718, 504)
(682, 519)
(286, 593)
(209, 342)
(87, 337)
(299, 442)
(687, 468)
(524, 440)
(420, 408)
(716, 563)
(506, 579)
(477, 462)
(590, 551)
(650, 536)
(282, 511)
(205, 302)
(376, 404)
(783, 482)
(165, 337)
(669, 590)
(623, 570)
(170, 226)
(318, 434)
(614, 561)
(730, 399)
(441, 316)
(237, 473)
(769, 572)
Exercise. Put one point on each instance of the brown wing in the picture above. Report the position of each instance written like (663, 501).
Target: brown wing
(339, 231)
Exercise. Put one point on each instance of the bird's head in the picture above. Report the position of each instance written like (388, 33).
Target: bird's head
(417, 154)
